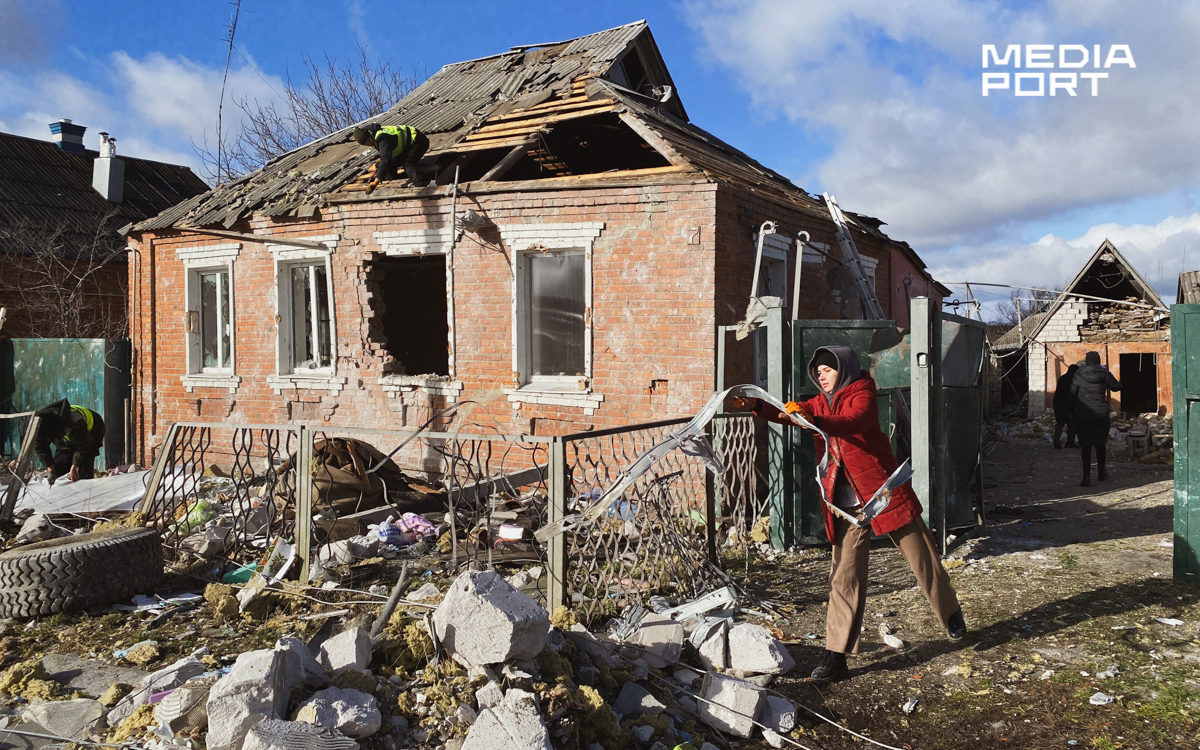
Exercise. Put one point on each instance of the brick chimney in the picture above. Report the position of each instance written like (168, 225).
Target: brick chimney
(68, 136)
(108, 172)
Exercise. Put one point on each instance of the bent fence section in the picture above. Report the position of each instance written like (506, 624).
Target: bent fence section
(666, 535)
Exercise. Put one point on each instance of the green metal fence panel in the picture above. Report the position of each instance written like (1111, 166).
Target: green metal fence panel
(88, 372)
(1185, 377)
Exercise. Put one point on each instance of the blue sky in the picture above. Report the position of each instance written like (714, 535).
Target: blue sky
(878, 102)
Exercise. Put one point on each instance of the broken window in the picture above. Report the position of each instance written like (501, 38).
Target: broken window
(411, 315)
(215, 326)
(309, 319)
(553, 291)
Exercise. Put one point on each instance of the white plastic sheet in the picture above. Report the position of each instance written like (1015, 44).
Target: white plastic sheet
(120, 492)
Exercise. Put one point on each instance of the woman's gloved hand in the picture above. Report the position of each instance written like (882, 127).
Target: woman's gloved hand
(791, 407)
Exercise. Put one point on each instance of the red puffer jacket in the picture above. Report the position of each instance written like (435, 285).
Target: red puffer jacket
(859, 447)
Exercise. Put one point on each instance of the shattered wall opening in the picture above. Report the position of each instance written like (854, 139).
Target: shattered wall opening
(1139, 383)
(410, 313)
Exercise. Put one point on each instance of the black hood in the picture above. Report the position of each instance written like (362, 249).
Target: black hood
(848, 369)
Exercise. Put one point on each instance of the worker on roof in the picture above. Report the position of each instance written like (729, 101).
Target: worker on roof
(77, 435)
(394, 142)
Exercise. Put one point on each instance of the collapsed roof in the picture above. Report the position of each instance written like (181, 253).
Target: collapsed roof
(600, 107)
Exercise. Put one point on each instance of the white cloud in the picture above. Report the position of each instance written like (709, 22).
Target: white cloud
(156, 106)
(897, 85)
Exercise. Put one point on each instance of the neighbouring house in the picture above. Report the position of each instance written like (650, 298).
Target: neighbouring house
(61, 209)
(566, 269)
(1108, 308)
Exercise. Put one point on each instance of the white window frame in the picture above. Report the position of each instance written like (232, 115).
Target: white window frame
(287, 257)
(523, 240)
(196, 261)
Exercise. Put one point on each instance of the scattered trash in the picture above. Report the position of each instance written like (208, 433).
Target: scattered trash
(1100, 699)
(909, 706)
(1169, 621)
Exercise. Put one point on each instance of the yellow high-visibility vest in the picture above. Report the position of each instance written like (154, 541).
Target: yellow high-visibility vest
(405, 135)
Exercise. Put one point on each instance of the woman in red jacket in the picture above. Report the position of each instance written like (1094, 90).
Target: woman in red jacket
(861, 460)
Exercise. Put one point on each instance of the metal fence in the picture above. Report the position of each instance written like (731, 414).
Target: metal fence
(666, 535)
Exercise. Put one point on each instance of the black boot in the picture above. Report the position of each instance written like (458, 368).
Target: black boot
(832, 668)
(1087, 481)
(956, 628)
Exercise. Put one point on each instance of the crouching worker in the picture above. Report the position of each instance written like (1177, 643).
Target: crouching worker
(397, 145)
(77, 435)
(861, 460)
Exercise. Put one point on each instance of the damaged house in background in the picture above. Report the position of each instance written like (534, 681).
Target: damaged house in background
(1108, 308)
(566, 268)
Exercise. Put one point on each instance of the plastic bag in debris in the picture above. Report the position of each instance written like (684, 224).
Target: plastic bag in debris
(36, 528)
(198, 513)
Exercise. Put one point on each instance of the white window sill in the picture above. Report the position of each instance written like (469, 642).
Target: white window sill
(210, 380)
(317, 381)
(433, 385)
(551, 394)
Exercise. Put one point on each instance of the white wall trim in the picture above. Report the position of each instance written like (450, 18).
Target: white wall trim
(205, 380)
(430, 241)
(394, 385)
(208, 255)
(315, 382)
(586, 400)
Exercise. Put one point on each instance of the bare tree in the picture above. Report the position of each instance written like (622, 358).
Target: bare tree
(65, 281)
(332, 96)
(1022, 303)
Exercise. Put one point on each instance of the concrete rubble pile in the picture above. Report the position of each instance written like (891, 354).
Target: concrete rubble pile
(471, 663)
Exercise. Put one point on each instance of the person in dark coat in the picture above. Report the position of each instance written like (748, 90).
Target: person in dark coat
(77, 435)
(1089, 394)
(861, 461)
(394, 143)
(1063, 407)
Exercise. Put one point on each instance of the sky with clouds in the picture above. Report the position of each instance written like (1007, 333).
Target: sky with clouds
(879, 102)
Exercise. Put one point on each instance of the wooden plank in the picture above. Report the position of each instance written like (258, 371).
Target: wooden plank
(568, 105)
(509, 160)
(447, 174)
(485, 145)
(166, 450)
(23, 472)
(488, 131)
(654, 139)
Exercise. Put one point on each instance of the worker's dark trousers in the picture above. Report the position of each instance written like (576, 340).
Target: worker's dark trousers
(1101, 454)
(63, 457)
(412, 157)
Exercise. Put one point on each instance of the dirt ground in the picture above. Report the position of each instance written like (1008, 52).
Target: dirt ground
(1063, 584)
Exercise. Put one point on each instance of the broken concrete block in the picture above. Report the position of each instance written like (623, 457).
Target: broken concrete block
(686, 677)
(660, 639)
(428, 591)
(484, 620)
(635, 700)
(464, 714)
(351, 712)
(89, 676)
(642, 733)
(773, 739)
(348, 649)
(489, 695)
(590, 645)
(730, 704)
(272, 734)
(778, 714)
(66, 718)
(752, 649)
(170, 676)
(714, 651)
(514, 723)
(305, 669)
(185, 708)
(255, 689)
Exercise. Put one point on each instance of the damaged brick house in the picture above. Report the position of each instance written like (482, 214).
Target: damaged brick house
(1108, 308)
(61, 206)
(566, 269)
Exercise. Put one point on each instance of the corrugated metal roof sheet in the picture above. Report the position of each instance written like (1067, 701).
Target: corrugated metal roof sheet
(457, 96)
(44, 186)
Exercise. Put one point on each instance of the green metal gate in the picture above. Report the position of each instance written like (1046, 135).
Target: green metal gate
(1185, 380)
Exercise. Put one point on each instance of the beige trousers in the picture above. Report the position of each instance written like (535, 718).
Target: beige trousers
(848, 578)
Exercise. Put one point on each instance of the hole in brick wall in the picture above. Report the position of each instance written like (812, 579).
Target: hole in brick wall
(658, 388)
(410, 313)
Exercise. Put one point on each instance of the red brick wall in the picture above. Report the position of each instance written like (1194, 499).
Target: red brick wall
(1060, 356)
(671, 263)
